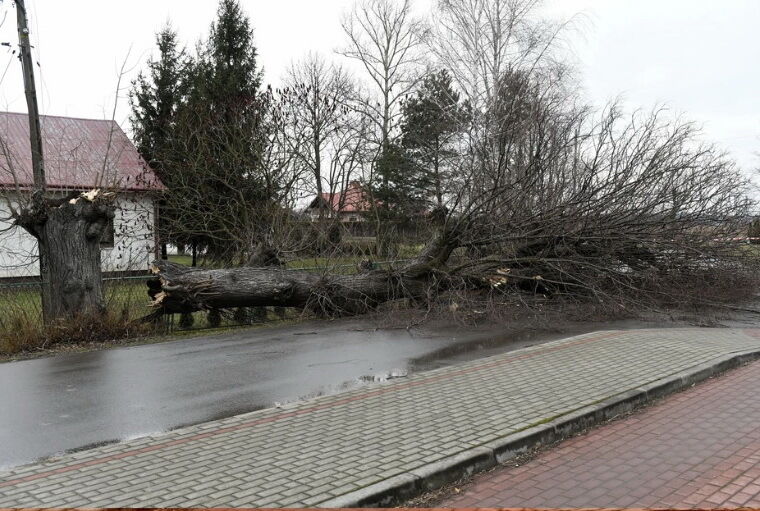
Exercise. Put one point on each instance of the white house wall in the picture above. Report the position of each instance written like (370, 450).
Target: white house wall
(133, 239)
(17, 248)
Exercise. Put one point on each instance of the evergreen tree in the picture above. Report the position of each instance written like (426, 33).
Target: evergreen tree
(154, 99)
(223, 136)
(432, 119)
(394, 189)
(395, 203)
(230, 57)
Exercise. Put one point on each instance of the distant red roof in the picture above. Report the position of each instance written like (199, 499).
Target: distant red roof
(74, 152)
(351, 200)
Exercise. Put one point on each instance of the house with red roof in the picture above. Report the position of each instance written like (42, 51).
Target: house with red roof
(79, 155)
(348, 205)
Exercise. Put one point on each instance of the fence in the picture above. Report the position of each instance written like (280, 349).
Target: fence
(127, 297)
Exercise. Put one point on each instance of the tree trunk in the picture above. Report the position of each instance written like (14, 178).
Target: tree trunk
(68, 233)
(184, 289)
(191, 289)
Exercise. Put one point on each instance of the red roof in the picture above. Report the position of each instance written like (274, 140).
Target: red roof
(74, 152)
(353, 199)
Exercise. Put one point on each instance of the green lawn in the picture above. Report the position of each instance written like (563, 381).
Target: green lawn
(303, 263)
(20, 299)
(181, 259)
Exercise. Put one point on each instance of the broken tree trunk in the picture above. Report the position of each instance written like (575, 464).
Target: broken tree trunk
(184, 289)
(68, 233)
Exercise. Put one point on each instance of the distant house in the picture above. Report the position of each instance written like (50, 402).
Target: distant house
(348, 205)
(79, 154)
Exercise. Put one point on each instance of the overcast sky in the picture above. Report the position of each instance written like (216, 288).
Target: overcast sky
(699, 57)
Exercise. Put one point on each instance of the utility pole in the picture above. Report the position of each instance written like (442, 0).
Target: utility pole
(35, 133)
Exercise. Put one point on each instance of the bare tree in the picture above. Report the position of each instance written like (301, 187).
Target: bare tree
(480, 41)
(317, 95)
(385, 37)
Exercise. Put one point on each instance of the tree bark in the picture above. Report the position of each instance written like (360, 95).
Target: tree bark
(185, 289)
(68, 233)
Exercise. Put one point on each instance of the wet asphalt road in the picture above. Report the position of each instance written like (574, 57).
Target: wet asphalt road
(71, 401)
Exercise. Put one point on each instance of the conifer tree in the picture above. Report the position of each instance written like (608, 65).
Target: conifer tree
(432, 120)
(221, 126)
(154, 99)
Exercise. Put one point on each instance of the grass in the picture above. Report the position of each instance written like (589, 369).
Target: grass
(148, 338)
(303, 263)
(750, 249)
(309, 263)
(181, 259)
(127, 296)
(23, 297)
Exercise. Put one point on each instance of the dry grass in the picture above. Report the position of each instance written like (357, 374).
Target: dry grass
(26, 334)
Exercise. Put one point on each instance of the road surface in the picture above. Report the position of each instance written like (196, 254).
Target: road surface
(77, 400)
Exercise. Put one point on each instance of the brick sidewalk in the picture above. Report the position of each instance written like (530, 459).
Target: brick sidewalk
(309, 453)
(699, 448)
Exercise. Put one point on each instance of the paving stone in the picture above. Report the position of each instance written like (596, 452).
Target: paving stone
(695, 449)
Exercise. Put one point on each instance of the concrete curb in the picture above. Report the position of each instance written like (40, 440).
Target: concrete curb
(402, 487)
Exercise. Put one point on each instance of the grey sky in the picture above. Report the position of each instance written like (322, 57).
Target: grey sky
(698, 57)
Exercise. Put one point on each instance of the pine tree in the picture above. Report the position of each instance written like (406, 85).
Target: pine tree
(395, 190)
(230, 56)
(432, 119)
(222, 132)
(154, 99)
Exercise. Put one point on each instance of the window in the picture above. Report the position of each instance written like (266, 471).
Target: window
(106, 239)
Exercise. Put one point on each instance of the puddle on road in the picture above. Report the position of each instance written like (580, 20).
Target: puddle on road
(390, 375)
(466, 349)
(353, 384)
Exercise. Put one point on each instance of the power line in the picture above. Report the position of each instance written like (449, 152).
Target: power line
(8, 44)
(6, 69)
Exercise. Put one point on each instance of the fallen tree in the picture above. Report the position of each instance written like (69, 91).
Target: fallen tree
(180, 289)
(617, 211)
(632, 277)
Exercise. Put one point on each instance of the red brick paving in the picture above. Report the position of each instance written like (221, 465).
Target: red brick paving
(696, 449)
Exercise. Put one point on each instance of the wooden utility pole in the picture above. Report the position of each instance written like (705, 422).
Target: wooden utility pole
(35, 133)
